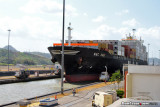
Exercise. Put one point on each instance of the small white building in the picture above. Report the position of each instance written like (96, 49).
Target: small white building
(143, 81)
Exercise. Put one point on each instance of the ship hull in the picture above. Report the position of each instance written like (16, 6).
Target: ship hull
(81, 77)
(85, 64)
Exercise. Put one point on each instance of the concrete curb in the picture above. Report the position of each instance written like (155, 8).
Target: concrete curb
(9, 81)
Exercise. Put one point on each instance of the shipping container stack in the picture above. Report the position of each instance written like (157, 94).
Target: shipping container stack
(132, 53)
(102, 45)
(110, 47)
(137, 50)
(144, 55)
(116, 47)
(127, 48)
(122, 51)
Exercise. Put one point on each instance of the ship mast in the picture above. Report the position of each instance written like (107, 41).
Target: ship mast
(69, 35)
(134, 37)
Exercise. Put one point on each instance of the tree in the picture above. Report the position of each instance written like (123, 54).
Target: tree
(116, 77)
(28, 62)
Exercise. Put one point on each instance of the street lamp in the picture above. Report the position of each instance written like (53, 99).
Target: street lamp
(62, 62)
(8, 47)
(148, 54)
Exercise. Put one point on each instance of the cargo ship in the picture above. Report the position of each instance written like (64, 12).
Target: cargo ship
(84, 60)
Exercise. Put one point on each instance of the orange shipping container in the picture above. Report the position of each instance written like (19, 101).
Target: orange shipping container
(76, 44)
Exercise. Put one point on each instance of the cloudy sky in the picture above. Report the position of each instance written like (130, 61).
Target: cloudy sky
(37, 24)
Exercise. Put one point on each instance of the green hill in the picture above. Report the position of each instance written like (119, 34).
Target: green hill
(46, 55)
(11, 48)
(22, 58)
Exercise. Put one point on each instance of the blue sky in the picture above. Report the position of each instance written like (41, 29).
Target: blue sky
(37, 24)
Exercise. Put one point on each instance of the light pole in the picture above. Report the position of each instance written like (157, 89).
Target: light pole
(148, 54)
(8, 46)
(159, 57)
(62, 62)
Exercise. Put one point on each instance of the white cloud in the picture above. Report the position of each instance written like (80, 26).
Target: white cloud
(105, 32)
(132, 22)
(99, 19)
(152, 36)
(36, 34)
(126, 11)
(85, 14)
(150, 33)
(29, 32)
(48, 6)
(32, 25)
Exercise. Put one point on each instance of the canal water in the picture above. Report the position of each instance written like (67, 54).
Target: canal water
(17, 91)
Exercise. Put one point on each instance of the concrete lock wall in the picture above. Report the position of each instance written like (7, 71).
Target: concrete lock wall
(143, 81)
(147, 85)
(129, 85)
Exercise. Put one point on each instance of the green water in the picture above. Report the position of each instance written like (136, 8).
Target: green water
(17, 91)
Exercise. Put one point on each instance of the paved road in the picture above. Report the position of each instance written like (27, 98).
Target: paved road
(84, 98)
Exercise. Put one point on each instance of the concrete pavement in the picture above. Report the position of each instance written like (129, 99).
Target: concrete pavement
(84, 98)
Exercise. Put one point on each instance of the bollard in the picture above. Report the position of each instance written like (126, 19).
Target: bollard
(56, 96)
(37, 73)
(74, 92)
(105, 81)
(93, 105)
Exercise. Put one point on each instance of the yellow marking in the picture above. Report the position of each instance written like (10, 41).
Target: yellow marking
(34, 104)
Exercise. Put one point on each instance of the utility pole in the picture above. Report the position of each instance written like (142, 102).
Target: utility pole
(62, 62)
(153, 59)
(8, 47)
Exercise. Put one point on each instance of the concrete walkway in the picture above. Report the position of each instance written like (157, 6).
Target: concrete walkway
(84, 98)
